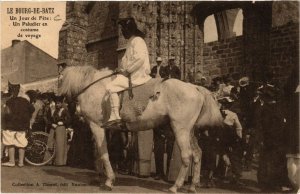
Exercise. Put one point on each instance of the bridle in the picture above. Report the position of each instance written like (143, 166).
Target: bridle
(87, 87)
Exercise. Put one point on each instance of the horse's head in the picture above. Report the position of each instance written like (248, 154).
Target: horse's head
(76, 79)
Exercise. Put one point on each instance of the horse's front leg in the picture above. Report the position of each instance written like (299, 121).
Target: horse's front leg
(99, 135)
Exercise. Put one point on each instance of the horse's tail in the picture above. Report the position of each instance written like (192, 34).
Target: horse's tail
(210, 114)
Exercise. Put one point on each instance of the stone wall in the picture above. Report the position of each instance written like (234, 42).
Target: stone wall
(284, 50)
(284, 12)
(178, 35)
(223, 57)
(92, 36)
(73, 35)
(102, 35)
(228, 58)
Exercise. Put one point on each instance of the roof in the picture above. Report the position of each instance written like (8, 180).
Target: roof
(20, 63)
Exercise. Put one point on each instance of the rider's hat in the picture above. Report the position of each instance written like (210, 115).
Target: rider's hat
(129, 24)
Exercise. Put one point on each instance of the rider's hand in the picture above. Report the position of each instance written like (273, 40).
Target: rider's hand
(125, 73)
(117, 70)
(122, 71)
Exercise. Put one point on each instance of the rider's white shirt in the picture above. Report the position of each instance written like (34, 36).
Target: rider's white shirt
(136, 60)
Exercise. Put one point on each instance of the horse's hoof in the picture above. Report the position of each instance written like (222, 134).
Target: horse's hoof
(172, 190)
(192, 190)
(106, 188)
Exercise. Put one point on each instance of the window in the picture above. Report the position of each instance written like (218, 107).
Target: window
(238, 23)
(210, 29)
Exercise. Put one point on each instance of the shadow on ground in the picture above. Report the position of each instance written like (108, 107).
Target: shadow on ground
(93, 179)
(248, 186)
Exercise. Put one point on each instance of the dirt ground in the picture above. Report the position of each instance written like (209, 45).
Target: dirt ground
(52, 179)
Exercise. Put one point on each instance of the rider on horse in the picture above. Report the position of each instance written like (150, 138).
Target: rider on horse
(135, 63)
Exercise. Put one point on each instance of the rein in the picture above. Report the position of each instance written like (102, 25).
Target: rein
(86, 87)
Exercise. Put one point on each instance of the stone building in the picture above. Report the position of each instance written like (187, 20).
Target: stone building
(269, 39)
(24, 63)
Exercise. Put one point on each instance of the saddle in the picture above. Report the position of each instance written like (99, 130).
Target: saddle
(132, 108)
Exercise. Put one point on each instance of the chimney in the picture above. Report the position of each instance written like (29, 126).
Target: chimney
(14, 42)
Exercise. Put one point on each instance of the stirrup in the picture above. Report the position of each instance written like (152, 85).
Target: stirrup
(117, 124)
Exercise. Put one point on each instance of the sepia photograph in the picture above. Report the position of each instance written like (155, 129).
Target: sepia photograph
(150, 97)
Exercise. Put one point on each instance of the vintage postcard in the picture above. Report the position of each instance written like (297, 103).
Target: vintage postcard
(150, 96)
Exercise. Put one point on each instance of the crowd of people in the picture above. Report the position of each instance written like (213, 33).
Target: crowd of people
(256, 127)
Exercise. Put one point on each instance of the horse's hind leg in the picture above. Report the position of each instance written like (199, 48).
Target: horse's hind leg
(99, 135)
(197, 154)
(183, 139)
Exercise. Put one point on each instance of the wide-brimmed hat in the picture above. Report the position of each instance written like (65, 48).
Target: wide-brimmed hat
(159, 59)
(127, 22)
(130, 24)
(244, 81)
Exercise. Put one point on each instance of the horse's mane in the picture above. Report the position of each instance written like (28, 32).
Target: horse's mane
(75, 78)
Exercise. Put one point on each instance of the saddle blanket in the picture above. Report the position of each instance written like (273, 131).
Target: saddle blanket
(132, 108)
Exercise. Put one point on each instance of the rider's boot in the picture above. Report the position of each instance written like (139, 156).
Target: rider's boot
(115, 106)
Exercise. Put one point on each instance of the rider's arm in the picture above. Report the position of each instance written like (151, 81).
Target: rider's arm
(136, 56)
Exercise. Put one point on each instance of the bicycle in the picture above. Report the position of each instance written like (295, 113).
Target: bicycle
(38, 151)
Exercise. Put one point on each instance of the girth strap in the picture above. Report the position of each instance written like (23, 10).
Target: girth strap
(130, 93)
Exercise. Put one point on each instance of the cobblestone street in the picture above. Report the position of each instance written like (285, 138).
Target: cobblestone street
(51, 179)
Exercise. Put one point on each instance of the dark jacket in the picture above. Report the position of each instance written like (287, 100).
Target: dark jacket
(61, 117)
(173, 72)
(162, 72)
(20, 114)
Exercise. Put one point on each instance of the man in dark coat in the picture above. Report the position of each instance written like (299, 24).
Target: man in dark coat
(247, 93)
(159, 70)
(17, 124)
(272, 171)
(172, 70)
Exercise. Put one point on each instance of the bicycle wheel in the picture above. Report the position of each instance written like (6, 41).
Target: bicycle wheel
(39, 151)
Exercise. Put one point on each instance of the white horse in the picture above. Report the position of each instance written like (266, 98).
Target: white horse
(184, 105)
